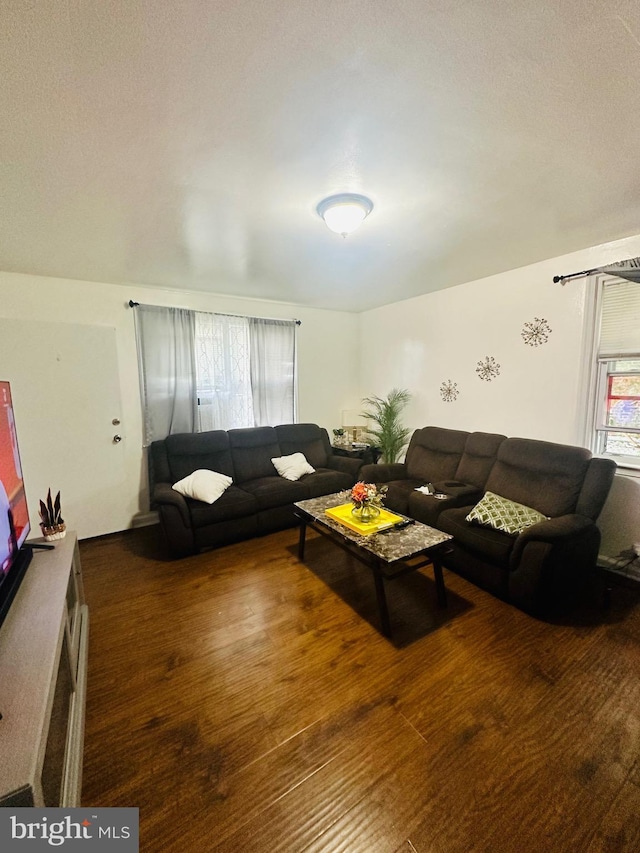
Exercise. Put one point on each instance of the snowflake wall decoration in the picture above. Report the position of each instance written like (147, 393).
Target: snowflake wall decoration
(449, 391)
(488, 369)
(536, 333)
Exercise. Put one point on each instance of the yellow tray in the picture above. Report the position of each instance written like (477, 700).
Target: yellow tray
(344, 515)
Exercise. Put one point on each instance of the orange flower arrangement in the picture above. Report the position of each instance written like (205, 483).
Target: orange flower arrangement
(368, 494)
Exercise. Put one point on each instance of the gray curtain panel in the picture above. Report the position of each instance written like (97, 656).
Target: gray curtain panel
(167, 370)
(273, 365)
(629, 269)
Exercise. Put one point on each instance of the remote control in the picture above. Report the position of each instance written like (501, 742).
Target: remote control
(404, 523)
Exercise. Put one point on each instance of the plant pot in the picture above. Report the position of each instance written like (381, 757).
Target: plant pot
(58, 531)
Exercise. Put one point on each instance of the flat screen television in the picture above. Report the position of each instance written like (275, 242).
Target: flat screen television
(15, 555)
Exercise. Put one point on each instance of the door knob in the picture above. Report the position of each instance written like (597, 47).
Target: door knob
(117, 438)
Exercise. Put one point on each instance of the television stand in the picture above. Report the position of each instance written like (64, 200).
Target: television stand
(44, 643)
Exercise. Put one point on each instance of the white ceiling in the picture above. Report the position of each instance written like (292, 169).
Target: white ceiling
(186, 143)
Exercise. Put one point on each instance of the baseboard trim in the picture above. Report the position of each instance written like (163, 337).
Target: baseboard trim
(145, 519)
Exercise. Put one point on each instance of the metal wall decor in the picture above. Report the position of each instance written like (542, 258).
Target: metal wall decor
(536, 333)
(449, 391)
(488, 369)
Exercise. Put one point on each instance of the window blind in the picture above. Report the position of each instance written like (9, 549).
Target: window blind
(620, 325)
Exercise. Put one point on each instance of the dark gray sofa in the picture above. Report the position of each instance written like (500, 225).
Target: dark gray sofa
(259, 500)
(457, 463)
(539, 569)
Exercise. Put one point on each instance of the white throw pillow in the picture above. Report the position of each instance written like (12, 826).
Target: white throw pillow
(292, 467)
(203, 485)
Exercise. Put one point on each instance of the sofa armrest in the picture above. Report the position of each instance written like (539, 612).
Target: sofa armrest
(164, 495)
(346, 464)
(553, 531)
(383, 473)
(549, 561)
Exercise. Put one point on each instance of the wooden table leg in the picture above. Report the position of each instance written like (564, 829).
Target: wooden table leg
(383, 610)
(302, 539)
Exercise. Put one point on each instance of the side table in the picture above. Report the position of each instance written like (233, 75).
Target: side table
(368, 454)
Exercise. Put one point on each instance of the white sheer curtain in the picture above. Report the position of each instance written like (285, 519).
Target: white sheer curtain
(273, 362)
(167, 370)
(223, 372)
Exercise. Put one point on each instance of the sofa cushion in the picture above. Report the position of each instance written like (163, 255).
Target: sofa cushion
(252, 450)
(492, 545)
(203, 485)
(234, 503)
(292, 467)
(324, 481)
(270, 492)
(540, 474)
(434, 454)
(186, 452)
(309, 439)
(479, 456)
(502, 514)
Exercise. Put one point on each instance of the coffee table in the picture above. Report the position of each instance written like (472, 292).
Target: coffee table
(388, 554)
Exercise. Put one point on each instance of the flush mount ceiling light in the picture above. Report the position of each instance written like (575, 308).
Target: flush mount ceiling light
(343, 213)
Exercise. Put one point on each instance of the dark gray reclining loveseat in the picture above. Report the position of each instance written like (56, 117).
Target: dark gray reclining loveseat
(259, 500)
(537, 569)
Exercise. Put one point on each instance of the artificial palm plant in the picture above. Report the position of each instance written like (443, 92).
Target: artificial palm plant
(387, 432)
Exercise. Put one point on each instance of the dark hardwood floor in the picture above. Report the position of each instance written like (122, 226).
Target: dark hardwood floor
(246, 702)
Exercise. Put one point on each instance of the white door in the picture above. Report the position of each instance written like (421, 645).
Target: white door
(66, 397)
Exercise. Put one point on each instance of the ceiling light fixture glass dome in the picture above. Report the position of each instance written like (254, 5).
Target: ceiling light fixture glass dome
(345, 212)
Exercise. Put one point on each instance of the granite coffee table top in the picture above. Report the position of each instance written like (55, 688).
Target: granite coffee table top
(388, 545)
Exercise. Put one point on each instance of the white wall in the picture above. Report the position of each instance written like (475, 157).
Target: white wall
(327, 360)
(538, 394)
(416, 344)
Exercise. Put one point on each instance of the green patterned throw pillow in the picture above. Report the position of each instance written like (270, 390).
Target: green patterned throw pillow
(502, 514)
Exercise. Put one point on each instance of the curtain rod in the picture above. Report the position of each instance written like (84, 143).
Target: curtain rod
(133, 304)
(563, 278)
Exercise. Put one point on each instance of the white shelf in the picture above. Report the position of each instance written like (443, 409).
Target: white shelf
(43, 664)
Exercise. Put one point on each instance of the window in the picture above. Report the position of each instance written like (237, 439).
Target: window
(615, 391)
(202, 371)
(223, 373)
(245, 371)
(618, 430)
